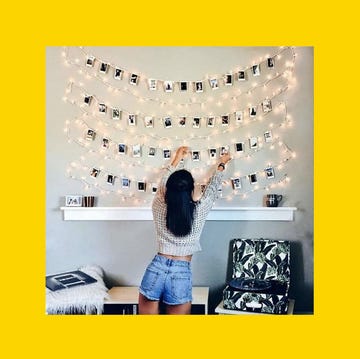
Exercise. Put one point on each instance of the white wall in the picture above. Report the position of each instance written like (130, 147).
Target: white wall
(124, 248)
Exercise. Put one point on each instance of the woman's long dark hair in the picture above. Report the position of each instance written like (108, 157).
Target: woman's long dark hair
(180, 205)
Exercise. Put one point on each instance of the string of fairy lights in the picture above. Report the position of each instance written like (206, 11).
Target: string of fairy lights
(125, 147)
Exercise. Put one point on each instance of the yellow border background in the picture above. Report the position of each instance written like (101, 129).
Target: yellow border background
(26, 31)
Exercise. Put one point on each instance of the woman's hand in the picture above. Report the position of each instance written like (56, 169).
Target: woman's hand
(225, 158)
(180, 154)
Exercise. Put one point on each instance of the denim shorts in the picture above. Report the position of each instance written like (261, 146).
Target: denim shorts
(167, 280)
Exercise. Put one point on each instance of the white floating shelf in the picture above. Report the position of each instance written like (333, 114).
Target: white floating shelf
(145, 214)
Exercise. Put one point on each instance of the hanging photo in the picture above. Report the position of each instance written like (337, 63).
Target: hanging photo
(212, 152)
(102, 108)
(228, 79)
(104, 67)
(90, 134)
(154, 188)
(167, 122)
(214, 83)
(132, 119)
(133, 80)
(182, 121)
(152, 84)
(239, 147)
(241, 76)
(239, 117)
(73, 201)
(268, 136)
(152, 152)
(210, 121)
(225, 120)
(270, 62)
(183, 86)
(125, 183)
(199, 86)
(141, 186)
(224, 150)
(253, 141)
(236, 183)
(167, 154)
(252, 111)
(115, 114)
(94, 172)
(196, 122)
(121, 148)
(118, 73)
(148, 121)
(266, 106)
(90, 61)
(136, 150)
(269, 172)
(105, 142)
(253, 178)
(110, 179)
(195, 155)
(87, 100)
(168, 86)
(256, 70)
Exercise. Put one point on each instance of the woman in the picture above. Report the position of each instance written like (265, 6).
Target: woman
(179, 221)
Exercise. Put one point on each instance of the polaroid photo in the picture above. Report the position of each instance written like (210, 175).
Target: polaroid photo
(195, 155)
(125, 183)
(110, 179)
(252, 111)
(270, 62)
(239, 117)
(220, 192)
(228, 79)
(152, 83)
(183, 86)
(154, 187)
(141, 186)
(90, 61)
(236, 183)
(121, 148)
(131, 119)
(152, 152)
(214, 84)
(225, 120)
(94, 172)
(182, 121)
(136, 150)
(102, 108)
(239, 147)
(224, 150)
(167, 154)
(241, 76)
(210, 121)
(268, 136)
(199, 86)
(196, 122)
(253, 142)
(90, 134)
(168, 86)
(133, 79)
(105, 143)
(149, 121)
(212, 152)
(104, 67)
(256, 70)
(266, 106)
(269, 172)
(118, 73)
(167, 122)
(115, 113)
(253, 178)
(73, 201)
(87, 100)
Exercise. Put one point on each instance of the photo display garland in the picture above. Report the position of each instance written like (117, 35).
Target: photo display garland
(123, 147)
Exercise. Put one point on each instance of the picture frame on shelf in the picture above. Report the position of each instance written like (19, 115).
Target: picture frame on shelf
(73, 200)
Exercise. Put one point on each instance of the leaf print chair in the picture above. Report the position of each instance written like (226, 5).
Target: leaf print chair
(260, 276)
